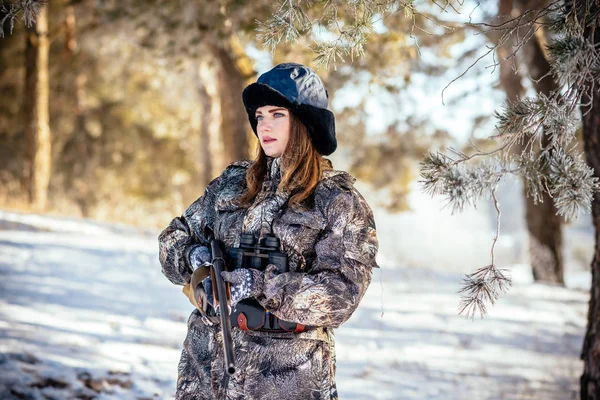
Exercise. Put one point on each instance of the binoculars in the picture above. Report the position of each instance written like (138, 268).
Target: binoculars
(257, 253)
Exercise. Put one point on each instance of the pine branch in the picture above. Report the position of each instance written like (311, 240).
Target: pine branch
(554, 169)
(575, 60)
(535, 171)
(533, 117)
(530, 20)
(351, 38)
(30, 10)
(288, 22)
(486, 284)
(572, 183)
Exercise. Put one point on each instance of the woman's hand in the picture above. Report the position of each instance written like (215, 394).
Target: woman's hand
(244, 283)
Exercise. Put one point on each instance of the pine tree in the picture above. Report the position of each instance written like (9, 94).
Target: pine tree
(36, 171)
(542, 127)
(556, 169)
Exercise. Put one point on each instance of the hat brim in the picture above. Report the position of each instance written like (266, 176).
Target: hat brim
(320, 122)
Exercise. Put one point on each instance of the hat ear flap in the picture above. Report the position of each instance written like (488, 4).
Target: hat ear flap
(253, 123)
(320, 123)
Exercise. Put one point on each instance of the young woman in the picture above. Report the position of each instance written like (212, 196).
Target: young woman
(324, 226)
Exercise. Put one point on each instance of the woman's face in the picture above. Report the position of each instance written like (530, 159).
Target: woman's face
(273, 129)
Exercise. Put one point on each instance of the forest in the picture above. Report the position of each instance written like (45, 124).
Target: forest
(116, 115)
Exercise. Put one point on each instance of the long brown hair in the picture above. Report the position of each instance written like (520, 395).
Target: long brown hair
(301, 167)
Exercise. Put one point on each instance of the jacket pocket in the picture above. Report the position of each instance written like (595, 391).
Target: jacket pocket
(300, 232)
(297, 362)
(311, 219)
(228, 219)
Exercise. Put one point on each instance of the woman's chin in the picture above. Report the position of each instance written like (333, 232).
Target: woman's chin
(272, 153)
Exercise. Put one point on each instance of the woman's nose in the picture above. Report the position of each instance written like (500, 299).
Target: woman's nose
(264, 126)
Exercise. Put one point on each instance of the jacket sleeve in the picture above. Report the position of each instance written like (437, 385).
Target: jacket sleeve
(330, 292)
(193, 228)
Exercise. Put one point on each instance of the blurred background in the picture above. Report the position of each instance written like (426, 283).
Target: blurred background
(144, 108)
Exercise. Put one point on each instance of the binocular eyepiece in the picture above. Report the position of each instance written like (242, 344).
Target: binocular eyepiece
(257, 253)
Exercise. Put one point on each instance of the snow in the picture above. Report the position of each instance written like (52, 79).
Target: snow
(86, 313)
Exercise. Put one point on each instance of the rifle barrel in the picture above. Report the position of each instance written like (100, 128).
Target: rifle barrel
(218, 266)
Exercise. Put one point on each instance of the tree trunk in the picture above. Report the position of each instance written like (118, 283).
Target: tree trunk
(590, 354)
(70, 34)
(36, 176)
(543, 223)
(224, 128)
(80, 178)
(206, 161)
(542, 220)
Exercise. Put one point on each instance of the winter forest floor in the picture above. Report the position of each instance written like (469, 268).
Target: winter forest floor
(86, 313)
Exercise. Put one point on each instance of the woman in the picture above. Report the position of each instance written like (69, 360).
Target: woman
(324, 226)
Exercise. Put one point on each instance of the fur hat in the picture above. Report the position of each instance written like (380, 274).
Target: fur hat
(299, 89)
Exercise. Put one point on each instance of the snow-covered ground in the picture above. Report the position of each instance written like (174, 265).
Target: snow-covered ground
(86, 313)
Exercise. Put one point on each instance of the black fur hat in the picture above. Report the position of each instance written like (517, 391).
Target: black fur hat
(299, 89)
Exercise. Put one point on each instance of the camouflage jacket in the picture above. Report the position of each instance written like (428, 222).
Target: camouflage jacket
(331, 250)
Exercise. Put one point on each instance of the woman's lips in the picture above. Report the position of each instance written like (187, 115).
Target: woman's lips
(269, 140)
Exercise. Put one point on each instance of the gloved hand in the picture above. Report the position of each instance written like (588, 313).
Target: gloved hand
(244, 283)
(199, 258)
(199, 255)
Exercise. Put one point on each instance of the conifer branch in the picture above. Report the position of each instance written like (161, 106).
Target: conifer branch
(554, 168)
(10, 10)
(487, 283)
(291, 20)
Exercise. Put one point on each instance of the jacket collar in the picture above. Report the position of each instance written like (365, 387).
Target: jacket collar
(274, 168)
(340, 177)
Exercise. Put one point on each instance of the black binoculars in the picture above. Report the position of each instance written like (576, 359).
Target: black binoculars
(257, 253)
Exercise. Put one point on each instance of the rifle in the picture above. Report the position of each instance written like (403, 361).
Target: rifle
(221, 291)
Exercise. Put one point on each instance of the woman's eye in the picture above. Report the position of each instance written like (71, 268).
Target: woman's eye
(259, 117)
